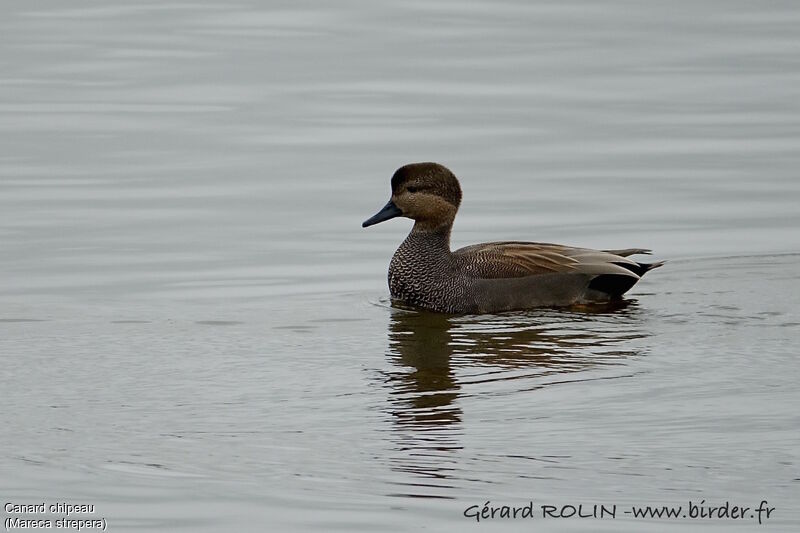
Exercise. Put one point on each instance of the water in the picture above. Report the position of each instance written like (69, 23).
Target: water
(194, 330)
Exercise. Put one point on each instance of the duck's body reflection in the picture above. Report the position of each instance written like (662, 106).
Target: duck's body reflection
(437, 358)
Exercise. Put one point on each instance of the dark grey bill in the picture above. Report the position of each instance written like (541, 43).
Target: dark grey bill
(389, 211)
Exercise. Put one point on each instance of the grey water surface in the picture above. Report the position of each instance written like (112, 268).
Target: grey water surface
(195, 332)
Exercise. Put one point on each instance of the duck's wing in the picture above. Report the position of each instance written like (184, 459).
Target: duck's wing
(520, 259)
(513, 275)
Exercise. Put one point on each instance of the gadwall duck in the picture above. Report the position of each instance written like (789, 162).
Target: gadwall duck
(495, 276)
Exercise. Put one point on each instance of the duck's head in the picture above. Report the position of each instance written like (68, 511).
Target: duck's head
(428, 193)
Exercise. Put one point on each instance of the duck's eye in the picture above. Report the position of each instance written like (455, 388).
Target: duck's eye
(412, 189)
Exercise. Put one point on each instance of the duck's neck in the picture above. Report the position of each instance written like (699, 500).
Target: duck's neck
(433, 239)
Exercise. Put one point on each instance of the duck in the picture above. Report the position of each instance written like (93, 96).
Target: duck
(490, 277)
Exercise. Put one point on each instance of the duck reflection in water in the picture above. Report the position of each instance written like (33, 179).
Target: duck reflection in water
(437, 359)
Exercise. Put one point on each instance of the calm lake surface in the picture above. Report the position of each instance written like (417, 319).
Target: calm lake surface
(195, 332)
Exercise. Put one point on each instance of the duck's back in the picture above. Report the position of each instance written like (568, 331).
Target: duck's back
(511, 259)
(519, 275)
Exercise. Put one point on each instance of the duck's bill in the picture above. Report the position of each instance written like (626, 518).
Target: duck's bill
(389, 211)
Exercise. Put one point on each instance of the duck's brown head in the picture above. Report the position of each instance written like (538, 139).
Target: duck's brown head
(425, 192)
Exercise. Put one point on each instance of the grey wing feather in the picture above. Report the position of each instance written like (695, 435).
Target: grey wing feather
(630, 251)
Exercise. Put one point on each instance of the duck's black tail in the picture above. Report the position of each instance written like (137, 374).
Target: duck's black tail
(615, 285)
(643, 267)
